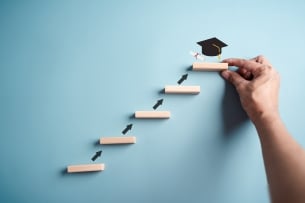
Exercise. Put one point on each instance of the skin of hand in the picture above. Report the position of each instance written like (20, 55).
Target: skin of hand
(257, 84)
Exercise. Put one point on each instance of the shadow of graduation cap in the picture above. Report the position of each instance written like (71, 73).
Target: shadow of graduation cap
(212, 46)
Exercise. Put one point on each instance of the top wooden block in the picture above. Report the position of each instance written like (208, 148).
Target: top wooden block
(204, 66)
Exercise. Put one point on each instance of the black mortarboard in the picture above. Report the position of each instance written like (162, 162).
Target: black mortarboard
(212, 46)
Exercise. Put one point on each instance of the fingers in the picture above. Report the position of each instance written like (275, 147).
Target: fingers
(233, 78)
(253, 67)
(247, 69)
(243, 63)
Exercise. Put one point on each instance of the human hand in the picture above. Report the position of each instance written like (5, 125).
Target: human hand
(257, 84)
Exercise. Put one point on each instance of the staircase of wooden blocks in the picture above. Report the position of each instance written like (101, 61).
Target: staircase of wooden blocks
(169, 89)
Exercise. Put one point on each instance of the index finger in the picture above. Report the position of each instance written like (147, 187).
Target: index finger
(243, 63)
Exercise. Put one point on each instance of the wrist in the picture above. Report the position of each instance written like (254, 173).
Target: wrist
(266, 118)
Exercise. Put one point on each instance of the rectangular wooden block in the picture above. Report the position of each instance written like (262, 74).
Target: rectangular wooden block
(152, 114)
(176, 89)
(118, 140)
(204, 66)
(85, 168)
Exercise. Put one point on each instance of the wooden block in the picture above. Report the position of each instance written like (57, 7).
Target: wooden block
(152, 114)
(85, 168)
(204, 66)
(118, 140)
(176, 89)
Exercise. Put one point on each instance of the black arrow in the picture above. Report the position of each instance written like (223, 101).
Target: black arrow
(97, 154)
(184, 77)
(159, 102)
(128, 127)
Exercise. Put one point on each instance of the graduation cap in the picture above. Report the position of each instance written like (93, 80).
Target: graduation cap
(212, 46)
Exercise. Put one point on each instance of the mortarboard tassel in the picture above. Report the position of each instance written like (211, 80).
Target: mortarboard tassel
(219, 55)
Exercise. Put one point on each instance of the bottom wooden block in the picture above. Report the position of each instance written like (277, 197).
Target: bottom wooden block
(85, 168)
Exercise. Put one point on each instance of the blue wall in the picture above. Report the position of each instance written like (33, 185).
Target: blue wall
(73, 71)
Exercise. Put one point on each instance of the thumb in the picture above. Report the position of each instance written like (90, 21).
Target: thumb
(233, 77)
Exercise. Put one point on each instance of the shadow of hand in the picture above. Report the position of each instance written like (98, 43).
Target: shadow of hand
(233, 114)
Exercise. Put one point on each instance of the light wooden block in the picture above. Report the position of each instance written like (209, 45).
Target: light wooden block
(152, 114)
(175, 89)
(85, 168)
(204, 66)
(118, 140)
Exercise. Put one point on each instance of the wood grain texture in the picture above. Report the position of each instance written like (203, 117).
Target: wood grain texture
(118, 140)
(85, 168)
(205, 66)
(176, 89)
(152, 114)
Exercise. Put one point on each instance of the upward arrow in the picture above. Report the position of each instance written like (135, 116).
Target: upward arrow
(159, 102)
(184, 77)
(128, 127)
(97, 154)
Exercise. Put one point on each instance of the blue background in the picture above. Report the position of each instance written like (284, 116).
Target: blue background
(73, 71)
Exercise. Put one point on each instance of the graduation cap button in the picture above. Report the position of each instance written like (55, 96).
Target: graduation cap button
(212, 46)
